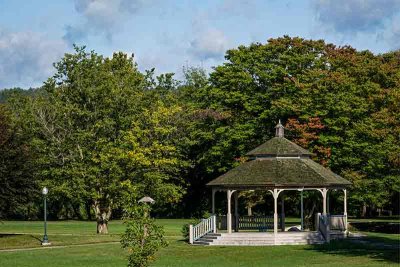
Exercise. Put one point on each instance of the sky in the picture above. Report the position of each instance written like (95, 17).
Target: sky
(171, 34)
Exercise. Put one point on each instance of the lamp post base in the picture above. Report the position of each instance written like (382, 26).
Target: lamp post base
(45, 241)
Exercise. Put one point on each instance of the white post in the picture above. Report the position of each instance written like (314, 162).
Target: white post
(283, 213)
(327, 203)
(324, 193)
(214, 222)
(191, 234)
(236, 212)
(275, 194)
(228, 214)
(213, 201)
(345, 209)
(317, 221)
(302, 211)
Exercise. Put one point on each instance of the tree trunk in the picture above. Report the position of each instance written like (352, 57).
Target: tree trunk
(103, 213)
(102, 227)
(249, 213)
(364, 210)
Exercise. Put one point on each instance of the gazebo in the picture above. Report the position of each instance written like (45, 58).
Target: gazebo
(277, 165)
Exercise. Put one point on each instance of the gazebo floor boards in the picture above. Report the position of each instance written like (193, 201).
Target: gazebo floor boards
(261, 239)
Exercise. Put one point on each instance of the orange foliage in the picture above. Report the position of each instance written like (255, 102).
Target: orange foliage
(306, 135)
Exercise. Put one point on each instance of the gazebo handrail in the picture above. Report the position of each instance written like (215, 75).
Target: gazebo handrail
(201, 229)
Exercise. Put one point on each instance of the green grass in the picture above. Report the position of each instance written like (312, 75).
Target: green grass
(86, 248)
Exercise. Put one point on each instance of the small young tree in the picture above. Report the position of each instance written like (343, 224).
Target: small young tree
(142, 237)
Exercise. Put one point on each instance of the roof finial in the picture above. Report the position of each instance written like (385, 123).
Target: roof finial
(280, 130)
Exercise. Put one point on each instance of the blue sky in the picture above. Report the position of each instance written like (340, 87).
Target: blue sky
(170, 34)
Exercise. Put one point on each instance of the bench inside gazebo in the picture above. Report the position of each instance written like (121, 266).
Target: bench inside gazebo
(276, 166)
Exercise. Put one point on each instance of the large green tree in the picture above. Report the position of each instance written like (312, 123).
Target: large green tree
(100, 136)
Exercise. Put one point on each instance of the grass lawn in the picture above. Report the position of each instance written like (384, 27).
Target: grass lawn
(85, 248)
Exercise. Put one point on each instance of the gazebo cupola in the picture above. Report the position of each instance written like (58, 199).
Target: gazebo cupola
(278, 147)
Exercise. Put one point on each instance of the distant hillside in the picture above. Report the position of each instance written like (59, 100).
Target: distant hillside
(6, 93)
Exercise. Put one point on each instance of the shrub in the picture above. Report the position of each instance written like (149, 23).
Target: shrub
(142, 237)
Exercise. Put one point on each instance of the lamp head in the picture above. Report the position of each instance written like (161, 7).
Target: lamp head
(45, 191)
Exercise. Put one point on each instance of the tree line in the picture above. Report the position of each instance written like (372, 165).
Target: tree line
(101, 134)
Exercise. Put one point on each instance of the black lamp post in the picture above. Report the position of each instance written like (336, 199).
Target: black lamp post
(45, 241)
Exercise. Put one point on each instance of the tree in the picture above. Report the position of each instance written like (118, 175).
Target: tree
(92, 139)
(17, 184)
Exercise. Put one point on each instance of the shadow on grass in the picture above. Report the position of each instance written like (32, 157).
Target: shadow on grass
(377, 248)
(377, 227)
(19, 236)
(8, 235)
(37, 238)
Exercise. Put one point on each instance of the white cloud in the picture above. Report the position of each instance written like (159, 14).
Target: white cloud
(355, 16)
(102, 17)
(394, 35)
(27, 57)
(209, 44)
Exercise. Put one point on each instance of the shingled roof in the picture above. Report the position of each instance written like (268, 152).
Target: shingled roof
(278, 146)
(279, 163)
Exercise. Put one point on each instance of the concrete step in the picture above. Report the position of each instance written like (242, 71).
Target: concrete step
(241, 243)
(202, 243)
(213, 234)
(260, 239)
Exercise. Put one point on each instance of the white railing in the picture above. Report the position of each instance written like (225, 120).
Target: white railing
(323, 226)
(204, 227)
(338, 222)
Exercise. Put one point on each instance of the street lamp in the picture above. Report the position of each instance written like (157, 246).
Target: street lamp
(45, 241)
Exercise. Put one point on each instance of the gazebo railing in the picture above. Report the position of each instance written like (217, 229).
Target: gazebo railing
(337, 222)
(201, 229)
(261, 223)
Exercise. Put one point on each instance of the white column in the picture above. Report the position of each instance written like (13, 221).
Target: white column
(214, 222)
(302, 210)
(275, 194)
(228, 214)
(275, 213)
(345, 209)
(324, 193)
(236, 196)
(283, 213)
(327, 203)
(213, 201)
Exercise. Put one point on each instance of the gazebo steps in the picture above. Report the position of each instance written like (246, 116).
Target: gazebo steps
(261, 239)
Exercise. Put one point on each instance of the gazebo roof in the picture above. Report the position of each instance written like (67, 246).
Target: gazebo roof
(300, 172)
(278, 146)
(279, 163)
